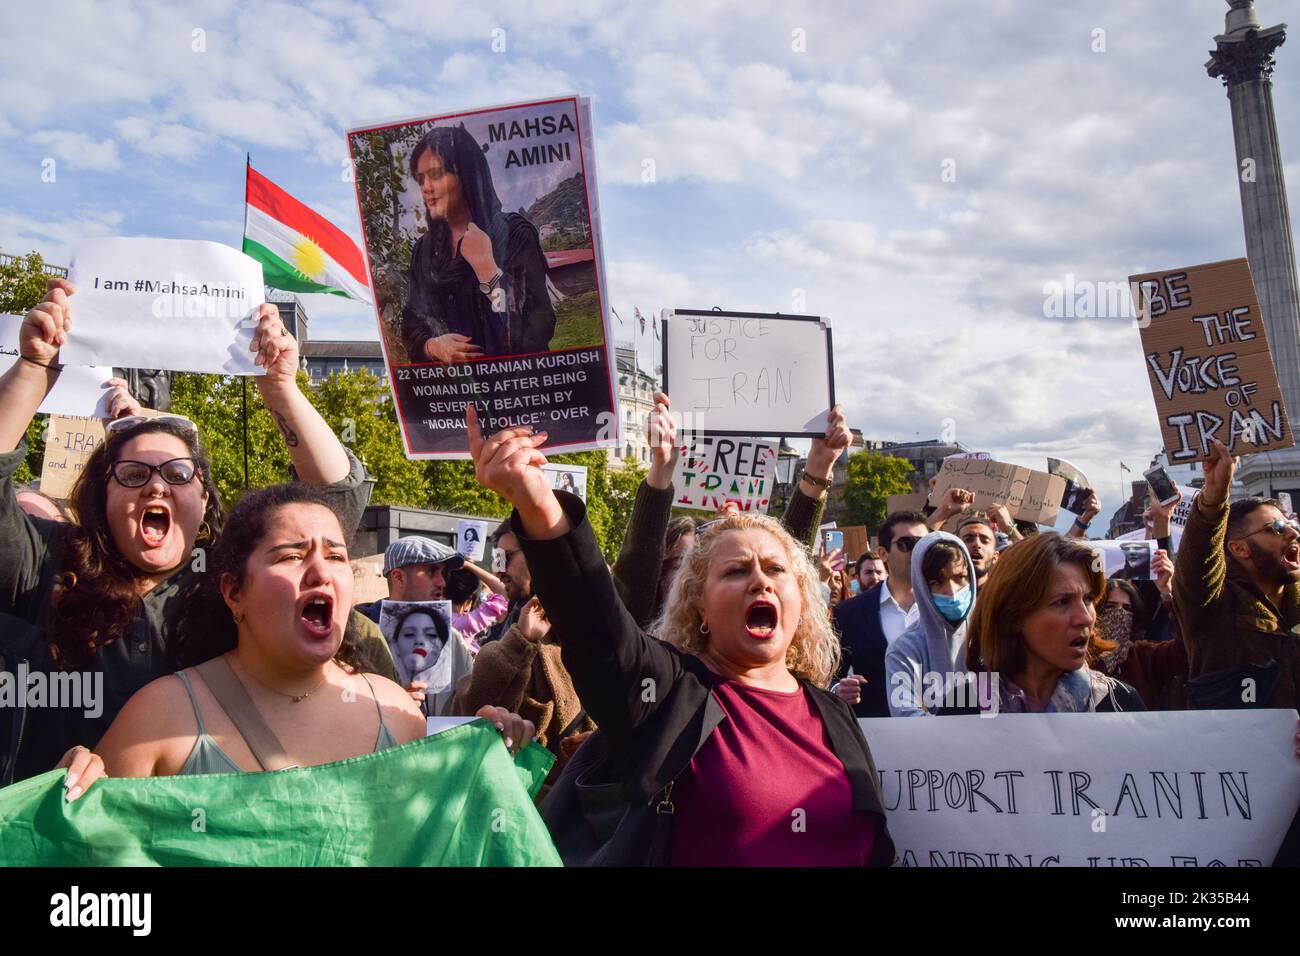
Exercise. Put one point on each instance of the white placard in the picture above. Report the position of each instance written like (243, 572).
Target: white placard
(570, 478)
(712, 471)
(470, 538)
(734, 373)
(178, 304)
(79, 389)
(1169, 788)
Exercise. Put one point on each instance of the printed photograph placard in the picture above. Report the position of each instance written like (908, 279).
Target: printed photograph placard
(483, 245)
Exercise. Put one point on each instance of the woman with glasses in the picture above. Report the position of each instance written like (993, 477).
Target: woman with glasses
(718, 742)
(101, 593)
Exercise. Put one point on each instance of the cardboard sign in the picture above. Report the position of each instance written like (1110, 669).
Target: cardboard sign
(70, 441)
(1088, 790)
(78, 390)
(180, 304)
(856, 541)
(912, 502)
(711, 471)
(471, 537)
(1027, 494)
(1207, 356)
(570, 478)
(515, 318)
(742, 373)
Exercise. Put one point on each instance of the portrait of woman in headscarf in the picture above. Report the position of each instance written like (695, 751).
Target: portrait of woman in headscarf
(478, 275)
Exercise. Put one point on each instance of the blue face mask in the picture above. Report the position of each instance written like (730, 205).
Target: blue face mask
(954, 608)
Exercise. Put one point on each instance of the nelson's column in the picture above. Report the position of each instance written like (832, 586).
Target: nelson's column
(1243, 59)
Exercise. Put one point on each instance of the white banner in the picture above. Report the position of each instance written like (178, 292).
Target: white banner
(178, 304)
(1172, 788)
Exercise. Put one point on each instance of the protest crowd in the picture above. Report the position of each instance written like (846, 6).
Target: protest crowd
(693, 693)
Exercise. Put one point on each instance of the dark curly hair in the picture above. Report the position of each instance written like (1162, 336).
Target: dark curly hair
(205, 627)
(99, 596)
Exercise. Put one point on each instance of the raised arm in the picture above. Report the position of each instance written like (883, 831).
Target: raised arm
(620, 672)
(22, 389)
(1201, 566)
(641, 555)
(803, 512)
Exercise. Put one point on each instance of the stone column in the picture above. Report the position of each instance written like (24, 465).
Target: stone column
(1243, 60)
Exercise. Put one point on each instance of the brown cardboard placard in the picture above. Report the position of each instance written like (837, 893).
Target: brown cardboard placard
(1206, 353)
(856, 541)
(1027, 494)
(912, 502)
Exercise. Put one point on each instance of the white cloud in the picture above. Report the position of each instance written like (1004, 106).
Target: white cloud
(78, 151)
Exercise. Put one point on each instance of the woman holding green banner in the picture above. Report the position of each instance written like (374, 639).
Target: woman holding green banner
(98, 597)
(718, 743)
(268, 678)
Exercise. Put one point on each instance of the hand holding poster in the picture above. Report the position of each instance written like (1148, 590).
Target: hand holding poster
(486, 264)
(79, 389)
(737, 373)
(712, 471)
(177, 304)
(1208, 359)
(1027, 494)
(1090, 790)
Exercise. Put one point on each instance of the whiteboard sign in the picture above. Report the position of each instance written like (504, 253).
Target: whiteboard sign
(741, 373)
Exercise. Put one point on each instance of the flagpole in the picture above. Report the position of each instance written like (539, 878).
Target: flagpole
(248, 164)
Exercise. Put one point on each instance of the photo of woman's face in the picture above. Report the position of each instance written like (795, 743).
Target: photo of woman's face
(419, 642)
(440, 188)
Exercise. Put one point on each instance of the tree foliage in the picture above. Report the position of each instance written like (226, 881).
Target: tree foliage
(872, 478)
(22, 285)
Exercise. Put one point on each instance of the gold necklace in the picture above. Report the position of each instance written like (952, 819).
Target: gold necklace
(296, 698)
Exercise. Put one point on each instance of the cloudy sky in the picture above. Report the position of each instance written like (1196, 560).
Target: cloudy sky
(796, 152)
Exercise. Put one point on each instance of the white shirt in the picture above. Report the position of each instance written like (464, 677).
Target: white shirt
(893, 619)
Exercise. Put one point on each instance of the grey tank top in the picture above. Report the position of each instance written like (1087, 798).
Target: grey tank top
(208, 757)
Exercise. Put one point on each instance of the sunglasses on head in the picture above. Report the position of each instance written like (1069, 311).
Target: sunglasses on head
(134, 474)
(130, 421)
(906, 543)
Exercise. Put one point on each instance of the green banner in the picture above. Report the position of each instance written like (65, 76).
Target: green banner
(452, 799)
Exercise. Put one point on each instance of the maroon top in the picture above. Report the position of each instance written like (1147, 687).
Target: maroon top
(767, 790)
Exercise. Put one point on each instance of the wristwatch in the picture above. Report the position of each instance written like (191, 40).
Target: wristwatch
(487, 287)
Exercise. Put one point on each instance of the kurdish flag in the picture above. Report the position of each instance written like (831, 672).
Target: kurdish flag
(453, 799)
(300, 250)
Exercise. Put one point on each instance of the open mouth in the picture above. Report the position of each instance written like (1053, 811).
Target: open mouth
(154, 525)
(318, 616)
(760, 619)
(1292, 555)
(1080, 645)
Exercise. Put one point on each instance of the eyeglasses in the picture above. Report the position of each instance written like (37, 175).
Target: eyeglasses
(906, 543)
(1277, 526)
(130, 421)
(134, 474)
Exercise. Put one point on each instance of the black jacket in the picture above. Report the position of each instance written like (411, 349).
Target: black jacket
(858, 622)
(653, 704)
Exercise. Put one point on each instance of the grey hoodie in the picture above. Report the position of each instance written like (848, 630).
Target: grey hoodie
(932, 644)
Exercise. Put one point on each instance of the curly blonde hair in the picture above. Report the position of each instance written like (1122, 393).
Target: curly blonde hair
(814, 651)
